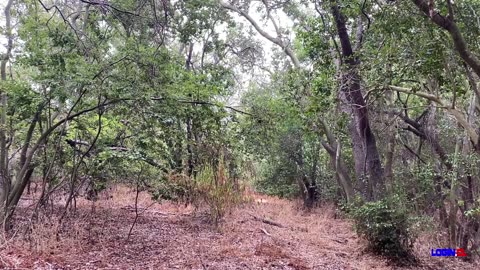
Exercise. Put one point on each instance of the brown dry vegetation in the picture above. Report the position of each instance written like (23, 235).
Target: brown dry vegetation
(172, 236)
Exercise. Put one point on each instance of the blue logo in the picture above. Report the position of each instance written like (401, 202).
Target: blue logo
(449, 252)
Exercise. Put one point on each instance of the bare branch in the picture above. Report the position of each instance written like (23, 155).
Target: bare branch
(276, 40)
(459, 116)
(106, 4)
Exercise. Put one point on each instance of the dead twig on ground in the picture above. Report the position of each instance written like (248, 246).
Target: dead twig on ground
(268, 221)
(265, 232)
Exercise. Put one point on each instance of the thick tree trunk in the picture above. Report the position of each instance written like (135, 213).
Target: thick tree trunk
(358, 151)
(350, 84)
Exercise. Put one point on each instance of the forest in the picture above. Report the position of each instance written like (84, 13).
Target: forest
(240, 134)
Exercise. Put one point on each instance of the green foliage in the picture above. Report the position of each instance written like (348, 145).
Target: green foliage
(386, 226)
(474, 212)
(278, 179)
(169, 113)
(315, 42)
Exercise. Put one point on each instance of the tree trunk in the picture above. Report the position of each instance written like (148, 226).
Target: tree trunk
(470, 224)
(296, 154)
(178, 150)
(440, 196)
(190, 164)
(390, 136)
(350, 85)
(333, 148)
(190, 154)
(342, 172)
(5, 181)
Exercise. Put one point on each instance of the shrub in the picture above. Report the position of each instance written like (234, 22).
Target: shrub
(211, 187)
(214, 188)
(386, 227)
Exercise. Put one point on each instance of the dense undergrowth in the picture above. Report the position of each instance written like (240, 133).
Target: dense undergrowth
(211, 187)
(387, 226)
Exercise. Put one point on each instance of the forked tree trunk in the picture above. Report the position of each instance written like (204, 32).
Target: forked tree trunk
(350, 84)
(334, 150)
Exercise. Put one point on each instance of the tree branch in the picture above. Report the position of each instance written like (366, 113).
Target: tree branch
(276, 40)
(459, 116)
(448, 24)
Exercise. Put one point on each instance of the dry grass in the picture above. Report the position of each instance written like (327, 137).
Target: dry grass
(174, 236)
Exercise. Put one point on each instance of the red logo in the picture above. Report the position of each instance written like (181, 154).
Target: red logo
(461, 252)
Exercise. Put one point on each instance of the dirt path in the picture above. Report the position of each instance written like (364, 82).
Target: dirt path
(168, 236)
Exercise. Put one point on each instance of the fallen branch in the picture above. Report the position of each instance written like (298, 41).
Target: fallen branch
(341, 241)
(267, 221)
(265, 232)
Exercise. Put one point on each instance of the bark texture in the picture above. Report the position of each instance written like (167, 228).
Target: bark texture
(351, 86)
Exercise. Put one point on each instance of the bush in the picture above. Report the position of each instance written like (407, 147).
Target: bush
(386, 227)
(211, 187)
(214, 188)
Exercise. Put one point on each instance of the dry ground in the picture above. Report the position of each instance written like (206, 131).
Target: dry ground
(170, 236)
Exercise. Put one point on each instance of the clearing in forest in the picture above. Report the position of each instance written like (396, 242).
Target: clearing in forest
(266, 233)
